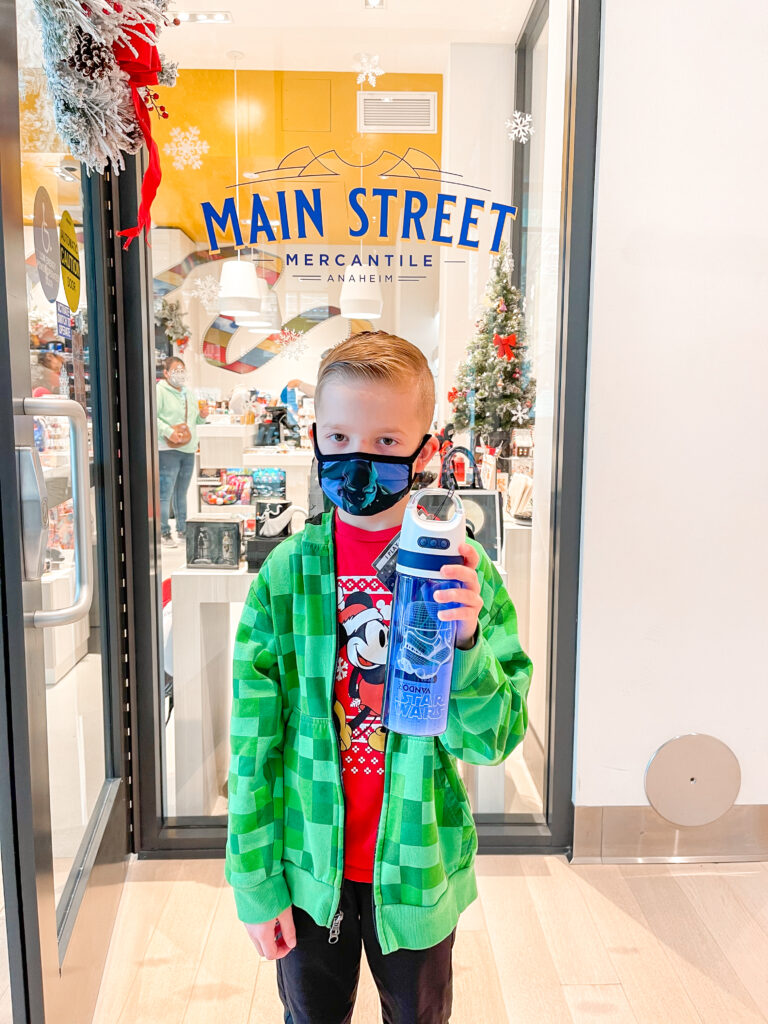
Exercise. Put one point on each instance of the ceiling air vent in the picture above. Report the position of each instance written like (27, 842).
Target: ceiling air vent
(407, 112)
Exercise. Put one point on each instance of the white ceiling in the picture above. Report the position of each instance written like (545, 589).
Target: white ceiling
(325, 35)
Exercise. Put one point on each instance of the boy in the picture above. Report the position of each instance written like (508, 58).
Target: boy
(340, 832)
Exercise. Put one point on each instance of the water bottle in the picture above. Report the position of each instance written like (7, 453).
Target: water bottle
(420, 655)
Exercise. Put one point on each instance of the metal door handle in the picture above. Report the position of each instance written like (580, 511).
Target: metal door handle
(81, 508)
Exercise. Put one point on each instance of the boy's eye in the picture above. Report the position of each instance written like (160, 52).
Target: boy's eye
(387, 441)
(338, 438)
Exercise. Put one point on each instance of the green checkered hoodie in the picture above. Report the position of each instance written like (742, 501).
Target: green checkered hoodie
(285, 842)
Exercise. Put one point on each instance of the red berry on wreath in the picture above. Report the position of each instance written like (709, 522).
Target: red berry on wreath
(165, 114)
(177, 21)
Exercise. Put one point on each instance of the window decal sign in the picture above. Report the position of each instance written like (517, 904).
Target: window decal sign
(430, 209)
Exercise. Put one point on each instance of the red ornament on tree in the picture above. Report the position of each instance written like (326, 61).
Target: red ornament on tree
(504, 345)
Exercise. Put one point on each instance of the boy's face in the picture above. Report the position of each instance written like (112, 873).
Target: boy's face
(376, 418)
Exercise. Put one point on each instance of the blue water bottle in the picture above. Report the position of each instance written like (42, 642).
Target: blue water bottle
(420, 655)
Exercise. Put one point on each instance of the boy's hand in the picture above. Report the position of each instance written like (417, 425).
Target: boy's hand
(467, 595)
(274, 939)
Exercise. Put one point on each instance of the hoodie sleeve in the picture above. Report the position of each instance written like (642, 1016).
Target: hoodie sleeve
(164, 426)
(253, 864)
(488, 710)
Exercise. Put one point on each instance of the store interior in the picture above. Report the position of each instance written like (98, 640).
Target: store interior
(387, 106)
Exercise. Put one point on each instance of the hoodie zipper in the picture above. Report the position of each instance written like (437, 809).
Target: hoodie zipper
(338, 916)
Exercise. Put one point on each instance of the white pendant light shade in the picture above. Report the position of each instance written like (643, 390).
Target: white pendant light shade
(360, 300)
(240, 307)
(239, 277)
(240, 289)
(270, 318)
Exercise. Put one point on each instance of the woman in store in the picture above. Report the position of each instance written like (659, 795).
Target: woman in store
(178, 415)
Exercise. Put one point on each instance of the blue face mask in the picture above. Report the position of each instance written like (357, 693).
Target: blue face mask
(363, 484)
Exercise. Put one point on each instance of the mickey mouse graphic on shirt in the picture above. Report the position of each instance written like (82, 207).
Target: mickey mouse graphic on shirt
(363, 633)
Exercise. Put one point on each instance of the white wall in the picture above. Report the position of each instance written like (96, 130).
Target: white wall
(478, 95)
(674, 552)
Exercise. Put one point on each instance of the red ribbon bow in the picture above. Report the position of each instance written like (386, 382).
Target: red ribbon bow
(504, 345)
(453, 394)
(142, 68)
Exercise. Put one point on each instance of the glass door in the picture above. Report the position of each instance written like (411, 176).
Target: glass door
(58, 356)
(359, 185)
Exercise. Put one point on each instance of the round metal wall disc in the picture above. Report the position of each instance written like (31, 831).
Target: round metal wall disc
(693, 779)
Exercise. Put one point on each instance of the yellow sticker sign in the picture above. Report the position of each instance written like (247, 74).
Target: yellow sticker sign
(70, 260)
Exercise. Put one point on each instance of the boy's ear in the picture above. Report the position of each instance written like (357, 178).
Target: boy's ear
(426, 453)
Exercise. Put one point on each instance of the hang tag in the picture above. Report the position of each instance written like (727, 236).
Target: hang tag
(385, 563)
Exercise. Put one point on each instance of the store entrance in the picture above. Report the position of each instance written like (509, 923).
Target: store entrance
(322, 178)
(62, 556)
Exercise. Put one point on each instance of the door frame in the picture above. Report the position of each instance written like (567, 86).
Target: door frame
(551, 832)
(57, 953)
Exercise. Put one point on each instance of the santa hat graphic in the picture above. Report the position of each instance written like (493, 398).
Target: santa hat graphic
(357, 611)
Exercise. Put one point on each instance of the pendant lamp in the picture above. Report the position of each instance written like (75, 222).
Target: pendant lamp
(269, 319)
(240, 287)
(360, 299)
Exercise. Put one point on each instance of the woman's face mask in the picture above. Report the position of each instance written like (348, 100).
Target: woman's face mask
(178, 378)
(363, 484)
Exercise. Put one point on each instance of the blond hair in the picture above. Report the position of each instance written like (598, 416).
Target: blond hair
(378, 356)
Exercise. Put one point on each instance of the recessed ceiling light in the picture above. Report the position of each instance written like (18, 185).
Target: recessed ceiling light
(205, 17)
(374, 5)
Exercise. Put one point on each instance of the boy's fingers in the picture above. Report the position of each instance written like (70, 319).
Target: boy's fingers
(471, 555)
(269, 946)
(459, 614)
(287, 927)
(459, 595)
(464, 573)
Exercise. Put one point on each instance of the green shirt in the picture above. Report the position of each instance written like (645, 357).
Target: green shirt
(285, 836)
(176, 407)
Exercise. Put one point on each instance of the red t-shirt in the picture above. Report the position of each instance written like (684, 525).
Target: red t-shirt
(363, 614)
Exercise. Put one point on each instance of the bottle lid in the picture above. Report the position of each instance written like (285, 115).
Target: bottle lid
(427, 544)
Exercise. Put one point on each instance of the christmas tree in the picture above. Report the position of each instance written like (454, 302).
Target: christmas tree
(495, 375)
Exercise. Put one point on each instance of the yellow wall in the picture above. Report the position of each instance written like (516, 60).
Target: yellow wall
(279, 111)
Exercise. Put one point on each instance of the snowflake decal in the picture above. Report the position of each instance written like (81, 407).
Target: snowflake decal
(368, 69)
(206, 290)
(292, 343)
(519, 126)
(519, 413)
(186, 148)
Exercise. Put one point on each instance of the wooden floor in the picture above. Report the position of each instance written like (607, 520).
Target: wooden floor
(546, 943)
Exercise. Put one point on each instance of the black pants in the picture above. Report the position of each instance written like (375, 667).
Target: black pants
(317, 980)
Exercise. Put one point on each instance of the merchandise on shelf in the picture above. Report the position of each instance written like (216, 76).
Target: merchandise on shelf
(234, 489)
(268, 482)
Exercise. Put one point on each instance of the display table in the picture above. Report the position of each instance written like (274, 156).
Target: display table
(202, 680)
(297, 463)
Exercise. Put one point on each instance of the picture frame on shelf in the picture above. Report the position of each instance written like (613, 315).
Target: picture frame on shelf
(213, 543)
